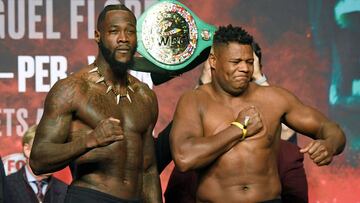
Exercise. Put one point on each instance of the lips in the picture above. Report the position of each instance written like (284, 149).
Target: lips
(240, 77)
(124, 49)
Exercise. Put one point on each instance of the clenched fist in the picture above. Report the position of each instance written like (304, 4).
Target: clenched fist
(106, 132)
(319, 152)
(254, 123)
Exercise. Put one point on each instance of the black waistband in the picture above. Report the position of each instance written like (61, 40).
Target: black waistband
(272, 201)
(81, 194)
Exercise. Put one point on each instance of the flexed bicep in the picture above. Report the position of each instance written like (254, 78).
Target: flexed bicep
(301, 117)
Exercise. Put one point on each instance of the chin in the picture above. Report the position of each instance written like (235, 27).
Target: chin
(241, 86)
(122, 59)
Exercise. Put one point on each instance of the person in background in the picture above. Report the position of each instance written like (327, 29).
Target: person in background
(24, 186)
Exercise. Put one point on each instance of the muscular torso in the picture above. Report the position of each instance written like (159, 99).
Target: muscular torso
(117, 168)
(247, 171)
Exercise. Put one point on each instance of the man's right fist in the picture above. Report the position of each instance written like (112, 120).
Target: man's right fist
(106, 132)
(254, 123)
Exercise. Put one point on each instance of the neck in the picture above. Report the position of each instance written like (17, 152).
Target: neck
(229, 94)
(118, 85)
(112, 73)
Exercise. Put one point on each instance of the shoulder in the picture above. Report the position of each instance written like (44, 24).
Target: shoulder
(75, 81)
(58, 183)
(199, 96)
(68, 90)
(200, 92)
(14, 178)
(192, 99)
(68, 86)
(285, 95)
(142, 89)
(275, 92)
(278, 97)
(190, 95)
(280, 90)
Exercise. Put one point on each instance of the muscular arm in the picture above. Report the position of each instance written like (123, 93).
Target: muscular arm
(311, 122)
(51, 151)
(189, 147)
(151, 180)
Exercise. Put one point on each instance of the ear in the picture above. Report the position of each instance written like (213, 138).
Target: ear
(97, 36)
(27, 150)
(212, 61)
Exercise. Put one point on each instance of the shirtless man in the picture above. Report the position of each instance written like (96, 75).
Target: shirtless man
(102, 118)
(229, 130)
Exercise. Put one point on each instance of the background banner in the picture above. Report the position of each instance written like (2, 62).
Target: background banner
(309, 47)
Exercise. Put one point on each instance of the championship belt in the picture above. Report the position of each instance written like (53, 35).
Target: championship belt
(172, 37)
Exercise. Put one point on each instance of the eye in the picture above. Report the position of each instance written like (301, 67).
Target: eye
(250, 62)
(130, 31)
(113, 31)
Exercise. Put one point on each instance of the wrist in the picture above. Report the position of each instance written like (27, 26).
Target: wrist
(90, 141)
(242, 127)
(260, 80)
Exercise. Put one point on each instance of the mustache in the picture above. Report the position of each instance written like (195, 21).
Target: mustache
(120, 47)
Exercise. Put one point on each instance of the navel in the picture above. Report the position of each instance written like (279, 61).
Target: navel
(245, 188)
(125, 181)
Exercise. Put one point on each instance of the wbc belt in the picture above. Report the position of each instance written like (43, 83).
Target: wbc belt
(171, 36)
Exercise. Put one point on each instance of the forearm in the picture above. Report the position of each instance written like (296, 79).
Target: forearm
(333, 135)
(151, 186)
(198, 152)
(48, 157)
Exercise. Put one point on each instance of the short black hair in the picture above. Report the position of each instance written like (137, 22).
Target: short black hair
(257, 50)
(112, 7)
(227, 34)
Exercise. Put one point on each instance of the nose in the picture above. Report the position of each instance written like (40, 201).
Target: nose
(243, 66)
(122, 37)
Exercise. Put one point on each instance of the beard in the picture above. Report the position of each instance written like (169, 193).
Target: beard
(118, 68)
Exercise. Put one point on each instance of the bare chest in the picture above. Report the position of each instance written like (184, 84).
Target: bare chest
(134, 115)
(217, 116)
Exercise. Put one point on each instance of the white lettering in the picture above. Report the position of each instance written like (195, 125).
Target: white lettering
(41, 73)
(51, 68)
(111, 2)
(20, 19)
(21, 114)
(33, 18)
(26, 69)
(2, 21)
(74, 17)
(8, 113)
(135, 6)
(91, 19)
(58, 67)
(50, 34)
(15, 120)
